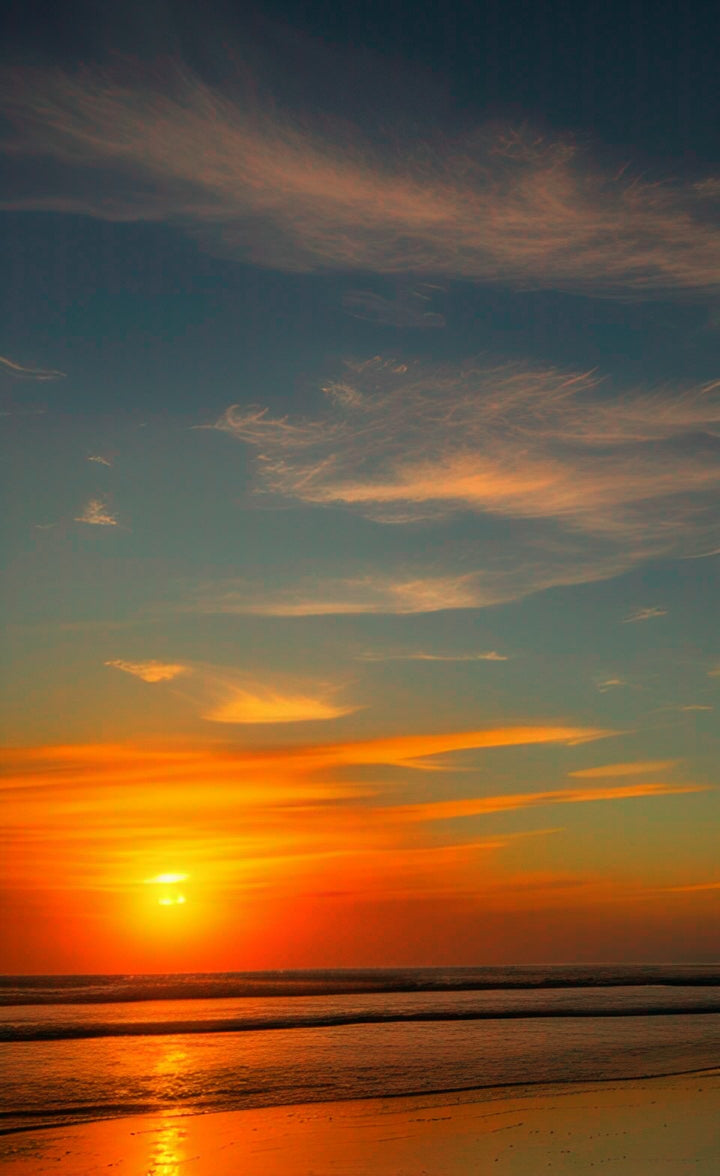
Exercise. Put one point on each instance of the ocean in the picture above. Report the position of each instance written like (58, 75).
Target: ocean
(76, 1048)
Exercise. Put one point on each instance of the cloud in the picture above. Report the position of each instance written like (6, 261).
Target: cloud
(641, 768)
(228, 696)
(259, 704)
(495, 206)
(99, 460)
(42, 767)
(149, 671)
(691, 888)
(401, 594)
(445, 810)
(18, 372)
(715, 673)
(491, 656)
(610, 684)
(590, 482)
(408, 309)
(417, 441)
(645, 614)
(97, 814)
(96, 514)
(363, 594)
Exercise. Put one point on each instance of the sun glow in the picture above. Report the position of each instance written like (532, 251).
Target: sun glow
(176, 900)
(166, 879)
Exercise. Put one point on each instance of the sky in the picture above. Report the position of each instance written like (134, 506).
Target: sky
(360, 413)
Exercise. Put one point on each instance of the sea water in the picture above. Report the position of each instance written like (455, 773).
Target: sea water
(79, 1048)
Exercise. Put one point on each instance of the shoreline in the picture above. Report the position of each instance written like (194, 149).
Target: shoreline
(628, 1125)
(481, 1093)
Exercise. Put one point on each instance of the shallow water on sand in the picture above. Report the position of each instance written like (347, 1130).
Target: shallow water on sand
(63, 1081)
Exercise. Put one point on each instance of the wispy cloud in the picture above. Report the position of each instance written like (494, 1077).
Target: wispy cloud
(610, 684)
(224, 695)
(410, 308)
(497, 206)
(99, 459)
(418, 441)
(263, 704)
(405, 593)
(42, 767)
(149, 671)
(19, 372)
(639, 768)
(608, 481)
(645, 614)
(691, 888)
(379, 656)
(97, 514)
(364, 594)
(444, 810)
(224, 811)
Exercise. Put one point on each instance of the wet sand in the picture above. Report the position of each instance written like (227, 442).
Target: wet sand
(654, 1127)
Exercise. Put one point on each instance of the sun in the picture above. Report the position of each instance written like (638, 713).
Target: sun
(171, 898)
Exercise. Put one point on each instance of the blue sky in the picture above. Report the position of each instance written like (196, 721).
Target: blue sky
(359, 383)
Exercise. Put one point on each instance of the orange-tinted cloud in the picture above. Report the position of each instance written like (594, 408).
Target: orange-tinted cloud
(264, 705)
(373, 593)
(97, 514)
(404, 442)
(149, 671)
(640, 768)
(608, 481)
(43, 767)
(224, 695)
(444, 810)
(501, 207)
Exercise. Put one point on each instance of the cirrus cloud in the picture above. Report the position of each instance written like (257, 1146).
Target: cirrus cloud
(494, 206)
(149, 671)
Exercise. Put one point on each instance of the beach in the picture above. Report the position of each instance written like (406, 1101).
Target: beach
(637, 1127)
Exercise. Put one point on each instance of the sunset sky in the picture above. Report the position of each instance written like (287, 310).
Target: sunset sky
(361, 403)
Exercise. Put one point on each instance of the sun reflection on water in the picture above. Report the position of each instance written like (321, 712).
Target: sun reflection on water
(169, 1151)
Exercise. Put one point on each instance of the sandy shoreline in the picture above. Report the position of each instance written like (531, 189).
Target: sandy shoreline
(635, 1128)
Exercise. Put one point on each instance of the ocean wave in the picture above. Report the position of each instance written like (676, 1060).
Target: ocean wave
(103, 989)
(58, 1031)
